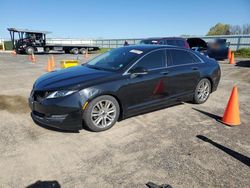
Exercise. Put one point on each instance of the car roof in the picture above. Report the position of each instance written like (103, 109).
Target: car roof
(159, 38)
(150, 47)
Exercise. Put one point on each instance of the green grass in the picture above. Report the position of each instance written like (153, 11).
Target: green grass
(103, 50)
(243, 52)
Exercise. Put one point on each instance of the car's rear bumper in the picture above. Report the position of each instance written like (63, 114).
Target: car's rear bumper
(64, 113)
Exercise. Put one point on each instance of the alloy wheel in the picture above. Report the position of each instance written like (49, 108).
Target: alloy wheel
(103, 113)
(203, 91)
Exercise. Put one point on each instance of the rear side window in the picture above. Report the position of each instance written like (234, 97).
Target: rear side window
(171, 42)
(196, 59)
(179, 43)
(153, 60)
(181, 57)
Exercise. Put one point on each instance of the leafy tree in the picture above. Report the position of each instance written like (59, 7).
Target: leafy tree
(219, 29)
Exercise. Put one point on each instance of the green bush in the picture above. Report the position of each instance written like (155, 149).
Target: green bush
(8, 45)
(243, 52)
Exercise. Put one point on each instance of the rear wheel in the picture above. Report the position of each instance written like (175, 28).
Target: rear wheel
(202, 91)
(101, 113)
(74, 51)
(83, 51)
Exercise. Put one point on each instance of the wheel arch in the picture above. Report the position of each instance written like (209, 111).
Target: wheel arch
(211, 82)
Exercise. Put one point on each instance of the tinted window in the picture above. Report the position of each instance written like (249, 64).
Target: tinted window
(196, 59)
(180, 57)
(149, 41)
(180, 43)
(171, 42)
(153, 60)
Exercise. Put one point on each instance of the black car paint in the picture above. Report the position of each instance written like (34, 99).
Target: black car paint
(135, 94)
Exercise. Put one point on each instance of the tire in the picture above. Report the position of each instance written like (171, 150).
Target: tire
(47, 49)
(95, 117)
(29, 50)
(74, 51)
(83, 51)
(202, 91)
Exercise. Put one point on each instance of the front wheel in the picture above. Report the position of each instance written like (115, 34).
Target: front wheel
(29, 50)
(101, 113)
(74, 51)
(202, 91)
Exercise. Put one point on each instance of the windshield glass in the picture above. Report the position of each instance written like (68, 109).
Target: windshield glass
(115, 59)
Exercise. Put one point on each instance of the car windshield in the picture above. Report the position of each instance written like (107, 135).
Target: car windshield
(115, 59)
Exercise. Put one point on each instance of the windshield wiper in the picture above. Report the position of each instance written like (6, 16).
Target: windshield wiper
(96, 67)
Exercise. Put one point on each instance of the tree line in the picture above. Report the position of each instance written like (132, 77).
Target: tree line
(227, 29)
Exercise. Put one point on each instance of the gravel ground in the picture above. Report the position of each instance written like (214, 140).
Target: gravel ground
(162, 146)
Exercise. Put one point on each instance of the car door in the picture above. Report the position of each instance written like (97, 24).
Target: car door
(145, 90)
(183, 72)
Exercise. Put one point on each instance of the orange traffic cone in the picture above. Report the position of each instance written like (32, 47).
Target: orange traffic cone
(49, 67)
(13, 53)
(232, 59)
(30, 58)
(232, 115)
(33, 58)
(229, 53)
(52, 62)
(86, 54)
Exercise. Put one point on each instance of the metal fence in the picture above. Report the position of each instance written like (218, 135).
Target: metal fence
(236, 41)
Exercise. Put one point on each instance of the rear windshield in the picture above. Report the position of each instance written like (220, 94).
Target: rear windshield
(115, 59)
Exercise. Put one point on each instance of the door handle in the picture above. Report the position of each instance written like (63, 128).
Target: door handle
(195, 68)
(165, 72)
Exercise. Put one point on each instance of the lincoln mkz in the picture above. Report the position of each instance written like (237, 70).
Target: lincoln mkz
(121, 83)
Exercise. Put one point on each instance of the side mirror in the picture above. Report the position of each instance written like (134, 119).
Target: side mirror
(139, 71)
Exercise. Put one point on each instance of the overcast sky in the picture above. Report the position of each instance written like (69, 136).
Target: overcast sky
(121, 19)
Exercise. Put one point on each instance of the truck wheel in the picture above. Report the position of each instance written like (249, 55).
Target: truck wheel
(83, 51)
(74, 51)
(29, 50)
(47, 49)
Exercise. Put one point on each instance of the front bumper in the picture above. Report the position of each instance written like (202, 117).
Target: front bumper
(62, 113)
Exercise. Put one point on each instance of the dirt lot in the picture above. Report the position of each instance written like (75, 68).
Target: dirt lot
(162, 146)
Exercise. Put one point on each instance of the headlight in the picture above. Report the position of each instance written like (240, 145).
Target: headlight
(57, 94)
(89, 92)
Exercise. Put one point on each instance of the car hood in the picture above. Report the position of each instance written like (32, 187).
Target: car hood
(71, 78)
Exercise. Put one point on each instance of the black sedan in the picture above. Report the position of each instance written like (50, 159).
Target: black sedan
(120, 83)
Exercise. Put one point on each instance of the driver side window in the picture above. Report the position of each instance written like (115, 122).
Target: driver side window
(153, 60)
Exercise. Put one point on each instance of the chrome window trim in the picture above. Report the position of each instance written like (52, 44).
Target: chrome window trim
(166, 64)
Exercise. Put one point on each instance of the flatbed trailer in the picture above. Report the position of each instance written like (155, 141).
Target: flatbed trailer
(32, 41)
